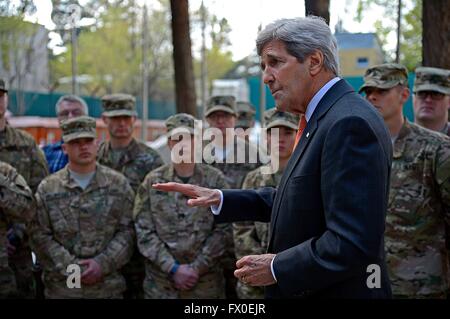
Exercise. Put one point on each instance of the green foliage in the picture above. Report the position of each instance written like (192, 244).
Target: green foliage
(219, 58)
(110, 52)
(411, 46)
(15, 34)
(17, 8)
(16, 37)
(411, 28)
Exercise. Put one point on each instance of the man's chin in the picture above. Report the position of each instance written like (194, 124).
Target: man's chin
(425, 116)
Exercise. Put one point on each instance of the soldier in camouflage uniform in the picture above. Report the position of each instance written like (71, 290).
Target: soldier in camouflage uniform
(252, 238)
(134, 160)
(419, 198)
(221, 114)
(16, 204)
(19, 149)
(245, 118)
(84, 218)
(245, 115)
(182, 245)
(431, 102)
(431, 99)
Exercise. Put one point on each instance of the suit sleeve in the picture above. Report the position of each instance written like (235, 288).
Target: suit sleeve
(247, 205)
(354, 188)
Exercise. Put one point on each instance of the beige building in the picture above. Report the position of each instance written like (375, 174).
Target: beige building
(357, 52)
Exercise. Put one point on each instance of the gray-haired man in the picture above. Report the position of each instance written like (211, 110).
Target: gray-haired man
(68, 106)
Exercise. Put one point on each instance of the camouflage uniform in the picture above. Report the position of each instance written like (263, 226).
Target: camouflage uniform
(419, 203)
(74, 224)
(135, 162)
(19, 149)
(245, 115)
(435, 79)
(234, 174)
(16, 204)
(419, 208)
(169, 231)
(252, 238)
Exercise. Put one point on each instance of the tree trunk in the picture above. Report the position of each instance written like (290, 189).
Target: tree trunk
(436, 33)
(319, 8)
(182, 58)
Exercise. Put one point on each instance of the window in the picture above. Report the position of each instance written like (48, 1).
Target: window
(362, 63)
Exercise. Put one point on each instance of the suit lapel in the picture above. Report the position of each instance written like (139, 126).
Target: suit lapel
(330, 98)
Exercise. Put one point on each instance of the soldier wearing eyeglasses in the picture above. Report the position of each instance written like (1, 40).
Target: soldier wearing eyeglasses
(432, 98)
(418, 214)
(67, 107)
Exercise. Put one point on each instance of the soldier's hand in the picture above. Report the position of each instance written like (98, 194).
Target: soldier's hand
(93, 272)
(200, 196)
(185, 278)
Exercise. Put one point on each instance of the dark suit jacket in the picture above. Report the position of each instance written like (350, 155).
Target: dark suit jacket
(328, 214)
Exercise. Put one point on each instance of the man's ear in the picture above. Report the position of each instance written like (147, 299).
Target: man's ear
(105, 119)
(405, 94)
(315, 62)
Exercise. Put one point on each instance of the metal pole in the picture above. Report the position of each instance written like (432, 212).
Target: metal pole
(74, 60)
(204, 62)
(399, 31)
(74, 11)
(145, 76)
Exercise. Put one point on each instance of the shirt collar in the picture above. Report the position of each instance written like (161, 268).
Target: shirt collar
(318, 96)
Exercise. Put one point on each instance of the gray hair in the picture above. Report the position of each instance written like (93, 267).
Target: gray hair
(303, 36)
(72, 99)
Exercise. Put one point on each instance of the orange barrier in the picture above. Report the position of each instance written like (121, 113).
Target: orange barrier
(45, 130)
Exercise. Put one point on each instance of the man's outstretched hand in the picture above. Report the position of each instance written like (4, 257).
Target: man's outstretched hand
(200, 196)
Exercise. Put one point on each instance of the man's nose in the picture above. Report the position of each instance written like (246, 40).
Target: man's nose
(371, 97)
(267, 76)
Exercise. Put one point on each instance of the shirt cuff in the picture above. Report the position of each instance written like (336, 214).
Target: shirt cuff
(271, 269)
(216, 209)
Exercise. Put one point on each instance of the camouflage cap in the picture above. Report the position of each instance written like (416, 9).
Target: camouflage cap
(385, 76)
(78, 127)
(180, 123)
(432, 79)
(119, 105)
(245, 114)
(274, 117)
(3, 86)
(225, 103)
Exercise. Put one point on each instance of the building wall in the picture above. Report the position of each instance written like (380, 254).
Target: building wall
(349, 64)
(27, 65)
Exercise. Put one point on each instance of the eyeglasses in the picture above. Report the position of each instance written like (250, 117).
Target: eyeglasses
(436, 96)
(74, 113)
